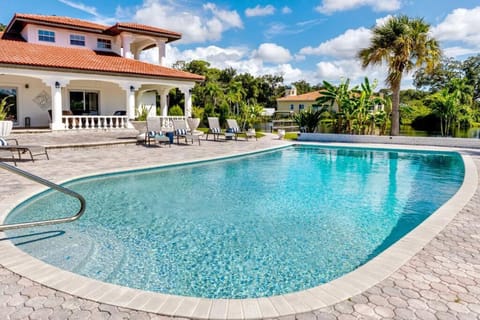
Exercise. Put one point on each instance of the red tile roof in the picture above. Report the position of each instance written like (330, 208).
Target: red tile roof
(20, 19)
(59, 21)
(18, 53)
(141, 28)
(310, 96)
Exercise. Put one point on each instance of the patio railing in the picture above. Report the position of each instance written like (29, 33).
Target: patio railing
(110, 122)
(166, 122)
(94, 122)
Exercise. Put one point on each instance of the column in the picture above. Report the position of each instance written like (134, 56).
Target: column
(163, 93)
(56, 89)
(188, 101)
(161, 52)
(126, 42)
(130, 102)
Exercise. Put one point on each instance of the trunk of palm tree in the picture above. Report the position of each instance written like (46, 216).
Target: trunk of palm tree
(395, 128)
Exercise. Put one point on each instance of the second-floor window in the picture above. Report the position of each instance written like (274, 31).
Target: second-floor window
(104, 44)
(44, 35)
(77, 40)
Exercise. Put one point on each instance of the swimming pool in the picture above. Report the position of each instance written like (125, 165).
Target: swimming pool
(244, 227)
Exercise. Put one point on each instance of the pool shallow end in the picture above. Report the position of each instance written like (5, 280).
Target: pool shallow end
(340, 289)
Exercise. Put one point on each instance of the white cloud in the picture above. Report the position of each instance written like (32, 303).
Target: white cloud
(286, 10)
(334, 71)
(258, 11)
(82, 7)
(194, 28)
(270, 52)
(453, 52)
(229, 18)
(330, 6)
(345, 45)
(460, 25)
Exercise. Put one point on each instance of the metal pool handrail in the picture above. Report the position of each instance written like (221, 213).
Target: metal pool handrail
(48, 184)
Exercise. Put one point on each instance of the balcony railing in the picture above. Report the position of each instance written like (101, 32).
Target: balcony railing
(94, 122)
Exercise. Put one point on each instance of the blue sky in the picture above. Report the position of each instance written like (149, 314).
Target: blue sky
(301, 40)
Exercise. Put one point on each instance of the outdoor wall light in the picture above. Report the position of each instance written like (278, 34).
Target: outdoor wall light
(132, 88)
(57, 84)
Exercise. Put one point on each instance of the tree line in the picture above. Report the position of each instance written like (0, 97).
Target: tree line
(447, 94)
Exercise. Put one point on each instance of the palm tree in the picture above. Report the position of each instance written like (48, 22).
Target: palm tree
(235, 94)
(338, 97)
(403, 44)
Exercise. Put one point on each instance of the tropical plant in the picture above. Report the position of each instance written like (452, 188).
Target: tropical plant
(338, 98)
(235, 94)
(4, 106)
(250, 114)
(197, 112)
(308, 120)
(403, 44)
(141, 113)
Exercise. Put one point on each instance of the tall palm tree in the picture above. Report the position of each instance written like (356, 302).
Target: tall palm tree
(404, 44)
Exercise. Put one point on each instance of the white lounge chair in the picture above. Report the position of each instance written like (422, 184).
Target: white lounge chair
(15, 148)
(233, 127)
(181, 131)
(153, 129)
(214, 128)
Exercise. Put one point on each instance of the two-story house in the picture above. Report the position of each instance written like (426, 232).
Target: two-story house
(293, 103)
(55, 66)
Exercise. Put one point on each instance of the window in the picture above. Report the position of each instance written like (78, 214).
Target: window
(84, 102)
(104, 44)
(292, 107)
(44, 35)
(11, 93)
(301, 106)
(77, 40)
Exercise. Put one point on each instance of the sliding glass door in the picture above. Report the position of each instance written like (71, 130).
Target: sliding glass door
(84, 102)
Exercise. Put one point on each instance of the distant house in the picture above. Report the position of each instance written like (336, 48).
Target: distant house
(292, 103)
(60, 70)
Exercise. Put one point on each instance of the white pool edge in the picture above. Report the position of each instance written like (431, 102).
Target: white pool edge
(349, 285)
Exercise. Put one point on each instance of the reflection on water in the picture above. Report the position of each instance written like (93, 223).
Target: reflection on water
(405, 130)
(458, 133)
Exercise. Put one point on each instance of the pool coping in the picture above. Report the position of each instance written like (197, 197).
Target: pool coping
(315, 298)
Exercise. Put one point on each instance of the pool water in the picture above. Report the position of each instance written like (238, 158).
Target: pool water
(244, 227)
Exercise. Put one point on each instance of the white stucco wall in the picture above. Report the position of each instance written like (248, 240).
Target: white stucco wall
(62, 38)
(26, 106)
(110, 96)
(148, 100)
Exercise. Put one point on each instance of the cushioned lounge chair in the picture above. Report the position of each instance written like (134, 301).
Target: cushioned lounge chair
(232, 126)
(15, 148)
(153, 128)
(214, 128)
(182, 131)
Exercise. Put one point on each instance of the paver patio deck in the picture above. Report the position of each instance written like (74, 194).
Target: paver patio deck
(442, 281)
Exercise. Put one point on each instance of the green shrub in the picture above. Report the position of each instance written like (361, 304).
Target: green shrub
(175, 111)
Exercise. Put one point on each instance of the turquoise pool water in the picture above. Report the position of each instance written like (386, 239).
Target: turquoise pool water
(252, 226)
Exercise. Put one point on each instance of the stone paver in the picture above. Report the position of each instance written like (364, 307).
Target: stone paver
(442, 281)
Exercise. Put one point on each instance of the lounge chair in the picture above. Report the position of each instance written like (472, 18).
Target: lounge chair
(15, 148)
(232, 126)
(181, 131)
(214, 128)
(153, 129)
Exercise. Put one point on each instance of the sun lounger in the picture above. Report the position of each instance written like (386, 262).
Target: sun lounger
(181, 131)
(153, 129)
(15, 148)
(233, 127)
(214, 128)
